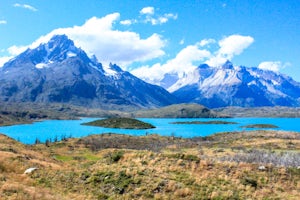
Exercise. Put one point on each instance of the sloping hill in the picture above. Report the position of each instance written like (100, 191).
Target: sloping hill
(178, 111)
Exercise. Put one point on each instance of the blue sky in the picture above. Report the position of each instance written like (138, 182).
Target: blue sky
(154, 35)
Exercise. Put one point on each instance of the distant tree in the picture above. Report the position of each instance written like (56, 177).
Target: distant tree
(55, 139)
(47, 143)
(37, 141)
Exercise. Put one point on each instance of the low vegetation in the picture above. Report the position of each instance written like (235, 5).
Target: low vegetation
(125, 123)
(274, 112)
(21, 113)
(260, 126)
(233, 165)
(205, 122)
(179, 111)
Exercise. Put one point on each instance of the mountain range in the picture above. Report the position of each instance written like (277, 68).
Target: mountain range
(229, 85)
(60, 72)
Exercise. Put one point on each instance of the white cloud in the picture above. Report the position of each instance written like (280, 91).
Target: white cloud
(229, 47)
(155, 19)
(158, 20)
(3, 22)
(272, 65)
(206, 42)
(181, 42)
(26, 6)
(234, 44)
(4, 59)
(16, 50)
(148, 15)
(193, 55)
(183, 63)
(126, 22)
(147, 11)
(98, 36)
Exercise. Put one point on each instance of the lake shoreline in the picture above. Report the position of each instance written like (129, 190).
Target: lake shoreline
(58, 129)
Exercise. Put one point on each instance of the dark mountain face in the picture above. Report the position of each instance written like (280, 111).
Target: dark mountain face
(239, 86)
(60, 72)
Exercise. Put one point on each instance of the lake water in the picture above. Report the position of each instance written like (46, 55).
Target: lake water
(51, 129)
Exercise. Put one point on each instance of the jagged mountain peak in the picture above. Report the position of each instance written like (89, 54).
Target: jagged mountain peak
(58, 71)
(238, 86)
(227, 65)
(60, 40)
(59, 48)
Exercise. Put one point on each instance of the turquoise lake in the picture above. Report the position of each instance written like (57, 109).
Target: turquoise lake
(50, 129)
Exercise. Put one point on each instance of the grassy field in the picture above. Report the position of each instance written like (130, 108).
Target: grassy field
(237, 165)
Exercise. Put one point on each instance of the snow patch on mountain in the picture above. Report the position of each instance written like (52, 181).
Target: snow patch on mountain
(71, 54)
(108, 71)
(186, 79)
(41, 65)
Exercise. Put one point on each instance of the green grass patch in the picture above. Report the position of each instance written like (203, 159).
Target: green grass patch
(63, 158)
(125, 123)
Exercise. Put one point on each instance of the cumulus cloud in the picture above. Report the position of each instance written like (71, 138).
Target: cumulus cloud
(97, 36)
(193, 55)
(148, 15)
(229, 47)
(160, 19)
(3, 22)
(234, 45)
(126, 22)
(12, 51)
(147, 11)
(183, 63)
(25, 6)
(206, 42)
(16, 50)
(4, 59)
(273, 65)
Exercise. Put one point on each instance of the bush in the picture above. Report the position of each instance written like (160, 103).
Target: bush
(249, 181)
(116, 156)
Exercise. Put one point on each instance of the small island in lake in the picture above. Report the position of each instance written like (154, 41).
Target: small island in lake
(260, 126)
(204, 122)
(125, 123)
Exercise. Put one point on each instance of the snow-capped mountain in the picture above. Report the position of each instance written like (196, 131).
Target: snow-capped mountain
(58, 71)
(230, 85)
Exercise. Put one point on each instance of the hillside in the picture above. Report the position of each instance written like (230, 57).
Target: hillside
(20, 113)
(222, 166)
(277, 111)
(178, 111)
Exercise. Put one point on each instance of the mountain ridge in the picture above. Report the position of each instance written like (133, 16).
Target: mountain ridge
(229, 85)
(58, 71)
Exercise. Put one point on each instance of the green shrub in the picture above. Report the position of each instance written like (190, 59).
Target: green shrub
(249, 181)
(115, 156)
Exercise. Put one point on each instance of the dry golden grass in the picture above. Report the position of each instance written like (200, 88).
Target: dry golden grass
(71, 170)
